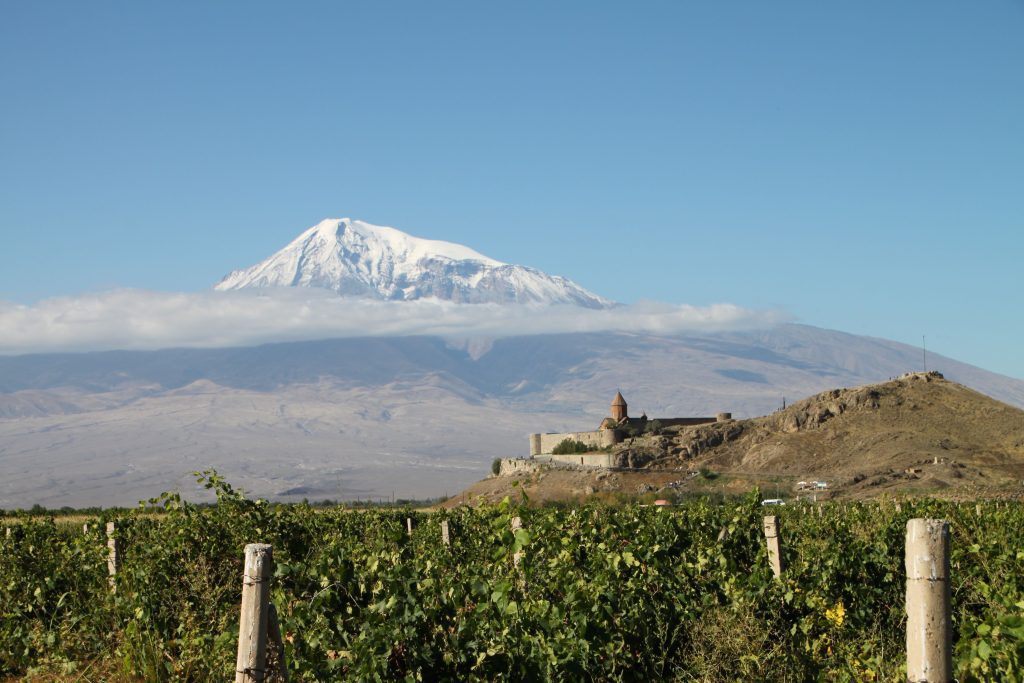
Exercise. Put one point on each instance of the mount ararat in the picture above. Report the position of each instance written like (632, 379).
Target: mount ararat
(376, 416)
(357, 259)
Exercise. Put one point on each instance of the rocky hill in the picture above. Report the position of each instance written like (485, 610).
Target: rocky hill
(919, 433)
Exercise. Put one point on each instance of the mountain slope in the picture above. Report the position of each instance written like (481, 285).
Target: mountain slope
(746, 373)
(354, 258)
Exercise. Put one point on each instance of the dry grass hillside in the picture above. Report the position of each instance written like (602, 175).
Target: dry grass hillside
(918, 434)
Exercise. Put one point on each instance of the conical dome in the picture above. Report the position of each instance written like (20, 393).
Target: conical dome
(618, 407)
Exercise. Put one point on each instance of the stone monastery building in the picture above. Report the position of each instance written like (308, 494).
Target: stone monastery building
(612, 430)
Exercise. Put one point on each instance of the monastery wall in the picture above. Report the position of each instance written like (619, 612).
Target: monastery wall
(543, 444)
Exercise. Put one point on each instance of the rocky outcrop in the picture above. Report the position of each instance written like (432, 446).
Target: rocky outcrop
(688, 443)
(691, 443)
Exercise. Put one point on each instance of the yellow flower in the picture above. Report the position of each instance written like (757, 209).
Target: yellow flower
(837, 614)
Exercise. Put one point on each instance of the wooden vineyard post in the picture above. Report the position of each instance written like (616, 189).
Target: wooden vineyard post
(929, 627)
(446, 537)
(113, 554)
(274, 631)
(517, 524)
(250, 666)
(771, 534)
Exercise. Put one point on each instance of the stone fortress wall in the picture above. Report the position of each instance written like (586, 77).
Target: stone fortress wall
(543, 444)
(522, 466)
(581, 459)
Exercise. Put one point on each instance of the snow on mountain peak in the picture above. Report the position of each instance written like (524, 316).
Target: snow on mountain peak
(404, 246)
(355, 258)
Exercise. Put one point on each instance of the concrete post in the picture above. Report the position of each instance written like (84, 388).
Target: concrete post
(771, 534)
(113, 553)
(517, 524)
(250, 665)
(929, 627)
(408, 526)
(445, 533)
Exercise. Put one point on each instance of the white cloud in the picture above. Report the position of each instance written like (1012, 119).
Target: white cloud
(137, 319)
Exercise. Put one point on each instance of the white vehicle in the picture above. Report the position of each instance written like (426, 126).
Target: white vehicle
(773, 501)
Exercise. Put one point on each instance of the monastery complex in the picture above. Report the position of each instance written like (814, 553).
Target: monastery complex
(613, 430)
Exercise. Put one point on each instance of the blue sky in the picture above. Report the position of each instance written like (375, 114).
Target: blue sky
(859, 165)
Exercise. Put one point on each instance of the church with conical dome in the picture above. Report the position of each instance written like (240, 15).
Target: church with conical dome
(612, 430)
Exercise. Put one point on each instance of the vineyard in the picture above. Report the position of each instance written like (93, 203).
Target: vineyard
(604, 593)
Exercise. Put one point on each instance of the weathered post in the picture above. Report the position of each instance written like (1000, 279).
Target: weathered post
(517, 524)
(977, 509)
(85, 528)
(929, 627)
(446, 537)
(408, 526)
(771, 534)
(250, 666)
(113, 554)
(274, 631)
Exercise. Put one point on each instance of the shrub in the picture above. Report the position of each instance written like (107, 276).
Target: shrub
(569, 446)
(496, 466)
(707, 474)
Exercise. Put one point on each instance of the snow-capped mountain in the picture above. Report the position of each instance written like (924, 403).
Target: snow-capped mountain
(354, 258)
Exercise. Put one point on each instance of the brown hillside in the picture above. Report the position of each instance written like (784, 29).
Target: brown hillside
(870, 436)
(916, 434)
